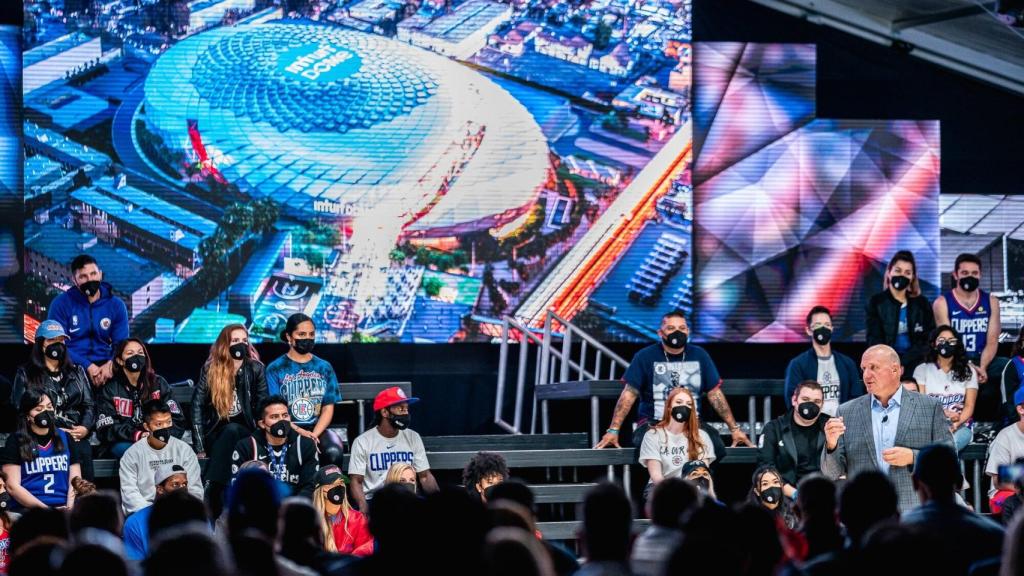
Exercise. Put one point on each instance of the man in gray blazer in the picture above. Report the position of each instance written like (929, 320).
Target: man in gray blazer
(887, 427)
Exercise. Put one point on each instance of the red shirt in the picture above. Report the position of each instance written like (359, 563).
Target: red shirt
(357, 540)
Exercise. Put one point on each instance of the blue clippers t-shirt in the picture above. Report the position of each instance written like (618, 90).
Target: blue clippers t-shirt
(970, 322)
(655, 373)
(48, 475)
(306, 387)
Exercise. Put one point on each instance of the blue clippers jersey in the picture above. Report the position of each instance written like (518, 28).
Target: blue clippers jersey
(970, 323)
(48, 477)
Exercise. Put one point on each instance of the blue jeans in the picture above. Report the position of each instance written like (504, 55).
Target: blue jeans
(962, 437)
(118, 449)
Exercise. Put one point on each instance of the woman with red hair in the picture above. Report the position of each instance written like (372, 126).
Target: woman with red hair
(675, 440)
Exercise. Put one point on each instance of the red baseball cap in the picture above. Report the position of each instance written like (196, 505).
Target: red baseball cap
(390, 397)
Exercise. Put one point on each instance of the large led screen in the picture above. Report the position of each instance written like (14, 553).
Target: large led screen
(400, 171)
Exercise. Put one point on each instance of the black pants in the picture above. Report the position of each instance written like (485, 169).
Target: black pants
(219, 446)
(331, 449)
(84, 451)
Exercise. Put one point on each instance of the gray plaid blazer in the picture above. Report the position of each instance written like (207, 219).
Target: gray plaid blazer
(922, 422)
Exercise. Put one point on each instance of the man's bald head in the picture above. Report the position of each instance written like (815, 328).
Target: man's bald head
(881, 369)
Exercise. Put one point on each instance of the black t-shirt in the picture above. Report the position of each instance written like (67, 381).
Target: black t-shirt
(808, 457)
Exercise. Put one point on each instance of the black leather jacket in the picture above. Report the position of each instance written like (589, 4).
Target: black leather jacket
(119, 409)
(72, 397)
(251, 387)
(883, 319)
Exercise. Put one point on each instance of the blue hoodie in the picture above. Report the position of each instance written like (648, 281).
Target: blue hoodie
(93, 329)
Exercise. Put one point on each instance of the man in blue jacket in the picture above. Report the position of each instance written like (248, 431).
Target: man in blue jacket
(838, 374)
(95, 320)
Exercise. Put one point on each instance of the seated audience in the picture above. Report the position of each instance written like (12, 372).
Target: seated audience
(100, 510)
(345, 530)
(167, 478)
(963, 536)
(309, 386)
(948, 376)
(51, 370)
(669, 501)
(290, 457)
(1012, 562)
(766, 491)
(402, 473)
(910, 384)
(519, 493)
(119, 423)
(37, 558)
(515, 552)
(835, 372)
(38, 459)
(792, 443)
(867, 500)
(900, 316)
(95, 552)
(484, 469)
(656, 369)
(95, 319)
(1014, 502)
(974, 314)
(699, 473)
(390, 440)
(188, 549)
(607, 531)
(174, 508)
(1013, 372)
(6, 519)
(394, 513)
(225, 405)
(1007, 447)
(301, 538)
(816, 511)
(158, 447)
(675, 440)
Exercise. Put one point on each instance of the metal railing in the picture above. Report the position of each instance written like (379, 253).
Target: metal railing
(563, 352)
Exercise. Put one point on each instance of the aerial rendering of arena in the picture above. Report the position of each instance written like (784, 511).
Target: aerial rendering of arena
(333, 121)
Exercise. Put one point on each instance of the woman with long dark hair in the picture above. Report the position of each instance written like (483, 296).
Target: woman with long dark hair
(39, 460)
(309, 385)
(1013, 373)
(900, 316)
(50, 369)
(134, 382)
(225, 406)
(766, 492)
(948, 376)
(675, 440)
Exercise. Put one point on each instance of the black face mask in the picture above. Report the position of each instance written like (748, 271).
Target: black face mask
(681, 413)
(336, 495)
(90, 288)
(676, 339)
(969, 283)
(135, 364)
(239, 351)
(808, 410)
(399, 421)
(56, 351)
(899, 283)
(163, 435)
(822, 335)
(280, 429)
(303, 345)
(703, 483)
(771, 495)
(44, 419)
(946, 350)
(5, 500)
